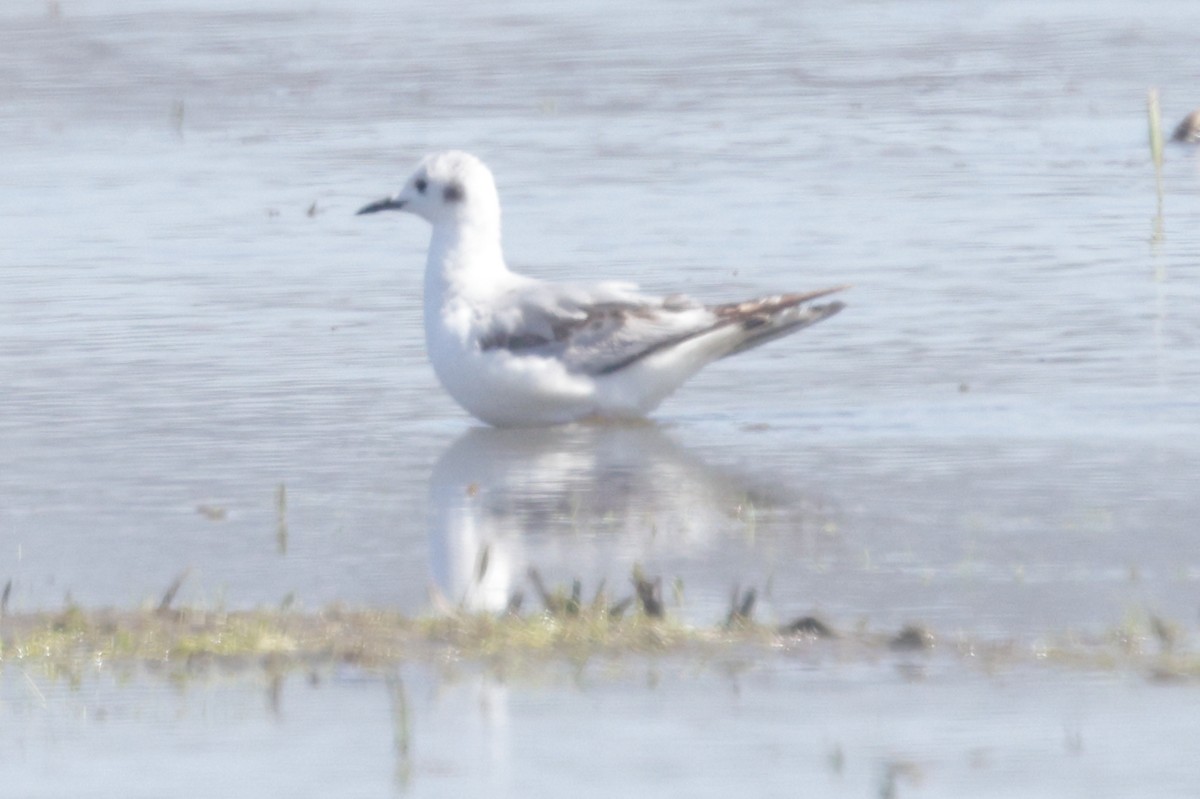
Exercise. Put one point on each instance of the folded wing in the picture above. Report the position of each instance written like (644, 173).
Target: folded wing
(600, 329)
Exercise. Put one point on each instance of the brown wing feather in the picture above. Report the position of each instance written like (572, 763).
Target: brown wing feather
(750, 314)
(756, 312)
(602, 319)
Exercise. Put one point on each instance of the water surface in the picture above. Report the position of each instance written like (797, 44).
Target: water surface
(998, 435)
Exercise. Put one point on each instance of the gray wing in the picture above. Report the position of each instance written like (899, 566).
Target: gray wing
(601, 329)
(594, 330)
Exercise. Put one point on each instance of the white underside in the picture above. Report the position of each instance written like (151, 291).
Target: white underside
(511, 390)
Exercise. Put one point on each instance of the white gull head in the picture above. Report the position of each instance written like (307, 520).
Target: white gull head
(448, 188)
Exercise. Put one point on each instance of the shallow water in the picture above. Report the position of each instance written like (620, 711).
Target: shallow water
(659, 727)
(207, 363)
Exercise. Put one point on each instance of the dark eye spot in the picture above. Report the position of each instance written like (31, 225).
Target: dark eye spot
(421, 185)
(454, 193)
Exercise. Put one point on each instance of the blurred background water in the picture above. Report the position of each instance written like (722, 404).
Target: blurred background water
(207, 363)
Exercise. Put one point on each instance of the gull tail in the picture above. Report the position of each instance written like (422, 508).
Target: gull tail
(768, 318)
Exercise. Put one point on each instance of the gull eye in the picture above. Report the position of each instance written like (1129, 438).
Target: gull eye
(421, 185)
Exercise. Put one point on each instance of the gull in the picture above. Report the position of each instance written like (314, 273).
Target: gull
(516, 351)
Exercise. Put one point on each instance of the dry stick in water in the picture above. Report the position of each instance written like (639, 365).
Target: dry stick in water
(1156, 139)
(741, 606)
(169, 597)
(650, 594)
(1156, 154)
(551, 603)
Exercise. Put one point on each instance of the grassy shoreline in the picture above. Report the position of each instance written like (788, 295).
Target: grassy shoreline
(74, 640)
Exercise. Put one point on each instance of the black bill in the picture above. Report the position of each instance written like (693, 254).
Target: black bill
(386, 204)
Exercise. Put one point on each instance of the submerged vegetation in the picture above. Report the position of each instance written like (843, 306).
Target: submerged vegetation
(566, 628)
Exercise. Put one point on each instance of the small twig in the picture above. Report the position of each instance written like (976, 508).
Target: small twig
(575, 602)
(281, 525)
(650, 594)
(165, 605)
(741, 607)
(552, 604)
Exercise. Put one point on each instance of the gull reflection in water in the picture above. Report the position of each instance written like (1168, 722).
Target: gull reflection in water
(585, 500)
